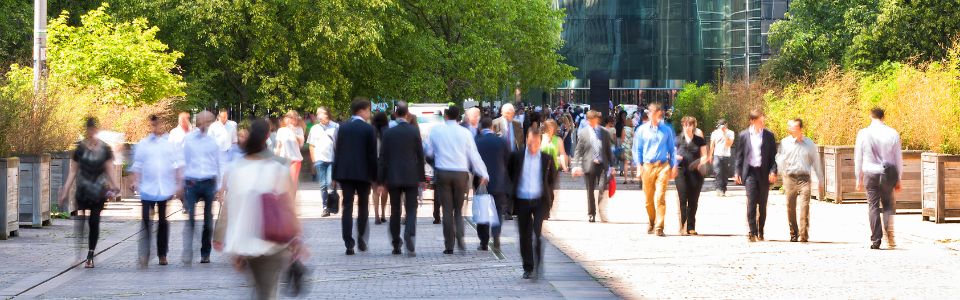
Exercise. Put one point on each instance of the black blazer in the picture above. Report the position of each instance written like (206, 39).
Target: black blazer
(742, 150)
(495, 153)
(355, 153)
(549, 169)
(401, 157)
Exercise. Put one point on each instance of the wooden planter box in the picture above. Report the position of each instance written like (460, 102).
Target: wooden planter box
(9, 196)
(35, 190)
(910, 197)
(840, 183)
(941, 187)
(59, 170)
(817, 190)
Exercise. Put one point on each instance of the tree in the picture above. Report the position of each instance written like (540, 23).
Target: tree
(449, 50)
(15, 32)
(905, 30)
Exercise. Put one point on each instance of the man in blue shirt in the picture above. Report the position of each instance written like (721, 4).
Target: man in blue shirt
(654, 149)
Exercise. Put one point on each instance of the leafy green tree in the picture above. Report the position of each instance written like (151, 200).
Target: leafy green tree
(16, 28)
(905, 30)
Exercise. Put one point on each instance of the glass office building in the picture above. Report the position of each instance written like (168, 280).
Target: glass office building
(648, 49)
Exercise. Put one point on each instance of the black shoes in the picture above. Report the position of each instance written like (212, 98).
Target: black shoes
(592, 219)
(527, 275)
(760, 237)
(508, 217)
(376, 221)
(436, 221)
(447, 251)
(794, 239)
(205, 260)
(396, 251)
(163, 261)
(350, 252)
(383, 219)
(483, 248)
(362, 246)
(325, 214)
(875, 246)
(496, 243)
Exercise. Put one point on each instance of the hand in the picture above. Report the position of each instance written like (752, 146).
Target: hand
(737, 179)
(772, 178)
(577, 172)
(239, 263)
(674, 172)
(381, 189)
(860, 186)
(484, 181)
(898, 188)
(217, 245)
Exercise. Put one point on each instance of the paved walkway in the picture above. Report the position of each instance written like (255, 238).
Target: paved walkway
(374, 274)
(720, 263)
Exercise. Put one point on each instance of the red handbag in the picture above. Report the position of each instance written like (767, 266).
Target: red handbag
(279, 222)
(612, 187)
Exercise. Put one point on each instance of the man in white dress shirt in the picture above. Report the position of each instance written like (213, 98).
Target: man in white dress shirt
(180, 132)
(878, 161)
(455, 155)
(203, 161)
(158, 175)
(224, 131)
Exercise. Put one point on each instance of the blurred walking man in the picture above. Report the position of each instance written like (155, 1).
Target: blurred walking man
(495, 154)
(401, 169)
(591, 159)
(721, 141)
(179, 133)
(508, 128)
(878, 161)
(354, 169)
(455, 155)
(157, 175)
(203, 162)
(654, 148)
(323, 136)
(756, 169)
(535, 175)
(798, 160)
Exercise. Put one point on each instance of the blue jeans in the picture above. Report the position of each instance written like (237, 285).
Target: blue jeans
(324, 178)
(194, 191)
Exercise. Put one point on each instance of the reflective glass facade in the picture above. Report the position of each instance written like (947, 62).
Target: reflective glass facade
(657, 45)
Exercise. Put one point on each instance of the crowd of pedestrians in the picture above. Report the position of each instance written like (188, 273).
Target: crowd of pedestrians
(514, 155)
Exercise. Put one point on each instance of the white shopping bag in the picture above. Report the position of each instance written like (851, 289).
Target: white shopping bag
(484, 209)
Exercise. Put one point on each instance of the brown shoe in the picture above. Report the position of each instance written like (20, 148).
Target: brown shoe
(163, 260)
(660, 233)
(650, 229)
(692, 232)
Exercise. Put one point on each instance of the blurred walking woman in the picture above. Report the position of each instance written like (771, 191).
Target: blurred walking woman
(691, 152)
(289, 141)
(94, 174)
(240, 230)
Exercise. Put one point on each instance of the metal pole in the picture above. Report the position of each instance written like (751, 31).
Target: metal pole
(746, 42)
(39, 42)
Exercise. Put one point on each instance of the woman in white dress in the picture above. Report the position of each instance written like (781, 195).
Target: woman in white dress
(289, 141)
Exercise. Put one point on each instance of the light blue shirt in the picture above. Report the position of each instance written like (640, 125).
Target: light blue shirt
(156, 160)
(509, 135)
(202, 157)
(651, 145)
(531, 182)
(451, 148)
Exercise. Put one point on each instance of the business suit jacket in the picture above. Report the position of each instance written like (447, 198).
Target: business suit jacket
(583, 152)
(495, 153)
(549, 176)
(742, 151)
(500, 128)
(355, 152)
(401, 157)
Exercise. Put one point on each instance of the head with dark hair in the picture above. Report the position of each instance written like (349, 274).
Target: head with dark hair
(223, 116)
(360, 107)
(877, 113)
(380, 122)
(486, 123)
(401, 109)
(452, 112)
(534, 136)
(156, 126)
(92, 126)
(257, 139)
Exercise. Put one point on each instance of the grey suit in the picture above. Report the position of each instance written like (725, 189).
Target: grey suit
(595, 173)
(500, 128)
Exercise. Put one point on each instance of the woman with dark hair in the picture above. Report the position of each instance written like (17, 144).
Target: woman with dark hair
(239, 230)
(380, 124)
(691, 151)
(96, 182)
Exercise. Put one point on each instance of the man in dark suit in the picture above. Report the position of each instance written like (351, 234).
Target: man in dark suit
(756, 168)
(591, 159)
(495, 153)
(401, 170)
(508, 128)
(535, 175)
(354, 168)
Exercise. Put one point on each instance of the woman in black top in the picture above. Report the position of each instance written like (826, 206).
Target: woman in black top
(94, 174)
(380, 124)
(690, 149)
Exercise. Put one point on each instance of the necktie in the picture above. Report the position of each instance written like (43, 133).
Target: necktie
(597, 145)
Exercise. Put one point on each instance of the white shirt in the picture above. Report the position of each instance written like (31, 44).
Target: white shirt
(756, 143)
(799, 157)
(231, 127)
(878, 144)
(156, 160)
(322, 139)
(177, 135)
(202, 157)
(721, 148)
(220, 134)
(287, 145)
(453, 149)
(246, 181)
(531, 182)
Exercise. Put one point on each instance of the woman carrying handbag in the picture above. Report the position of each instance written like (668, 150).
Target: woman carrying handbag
(258, 225)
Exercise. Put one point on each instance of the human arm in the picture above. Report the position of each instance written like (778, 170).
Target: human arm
(562, 156)
(577, 160)
(738, 153)
(858, 161)
(898, 163)
(476, 162)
